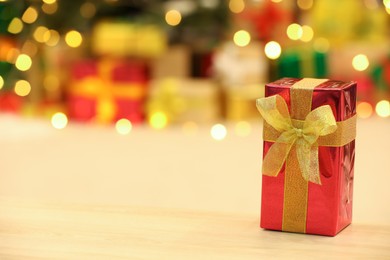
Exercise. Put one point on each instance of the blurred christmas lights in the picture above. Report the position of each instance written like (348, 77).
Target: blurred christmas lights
(307, 33)
(305, 4)
(294, 31)
(88, 10)
(123, 126)
(22, 88)
(236, 6)
(173, 17)
(321, 45)
(23, 62)
(382, 108)
(30, 15)
(50, 8)
(242, 38)
(59, 120)
(15, 26)
(218, 132)
(272, 50)
(364, 109)
(40, 34)
(1, 82)
(360, 62)
(158, 120)
(73, 39)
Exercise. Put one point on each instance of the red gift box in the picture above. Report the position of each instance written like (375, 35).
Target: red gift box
(107, 91)
(309, 151)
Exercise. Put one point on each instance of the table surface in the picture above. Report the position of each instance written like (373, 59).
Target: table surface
(86, 192)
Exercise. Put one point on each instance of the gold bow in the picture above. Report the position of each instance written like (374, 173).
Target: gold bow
(302, 134)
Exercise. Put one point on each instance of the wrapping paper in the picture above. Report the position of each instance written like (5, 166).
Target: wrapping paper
(328, 205)
(107, 91)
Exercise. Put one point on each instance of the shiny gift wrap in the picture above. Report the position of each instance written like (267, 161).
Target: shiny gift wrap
(308, 162)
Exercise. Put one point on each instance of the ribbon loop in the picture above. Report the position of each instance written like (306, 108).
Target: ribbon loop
(304, 135)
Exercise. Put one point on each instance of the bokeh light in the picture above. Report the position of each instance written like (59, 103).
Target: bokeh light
(276, 1)
(382, 108)
(73, 39)
(173, 17)
(364, 109)
(236, 6)
(15, 26)
(50, 8)
(218, 132)
(30, 48)
(30, 15)
(59, 120)
(123, 126)
(307, 33)
(23, 62)
(49, 2)
(360, 62)
(158, 120)
(242, 128)
(52, 37)
(294, 31)
(1, 82)
(242, 38)
(272, 50)
(22, 88)
(305, 4)
(386, 3)
(40, 34)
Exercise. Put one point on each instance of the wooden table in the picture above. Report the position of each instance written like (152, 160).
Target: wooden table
(87, 192)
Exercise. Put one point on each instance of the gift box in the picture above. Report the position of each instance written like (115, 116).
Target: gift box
(183, 100)
(107, 91)
(309, 151)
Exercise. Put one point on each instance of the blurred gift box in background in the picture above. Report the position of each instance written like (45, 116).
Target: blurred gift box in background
(162, 62)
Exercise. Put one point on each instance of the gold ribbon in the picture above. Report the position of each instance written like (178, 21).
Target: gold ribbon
(297, 138)
(102, 88)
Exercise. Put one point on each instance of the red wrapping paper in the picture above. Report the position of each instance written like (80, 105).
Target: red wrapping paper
(329, 206)
(125, 74)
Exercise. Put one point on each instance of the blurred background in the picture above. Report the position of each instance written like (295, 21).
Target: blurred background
(183, 62)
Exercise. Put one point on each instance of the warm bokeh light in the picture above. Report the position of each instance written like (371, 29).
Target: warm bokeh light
(242, 128)
(242, 38)
(158, 120)
(49, 1)
(50, 8)
(382, 108)
(51, 83)
(272, 50)
(88, 10)
(321, 45)
(305, 4)
(59, 120)
(218, 132)
(123, 126)
(40, 34)
(364, 109)
(190, 128)
(236, 6)
(23, 62)
(29, 48)
(294, 31)
(386, 3)
(30, 15)
(15, 26)
(1, 82)
(73, 39)
(22, 88)
(307, 33)
(276, 1)
(173, 17)
(52, 36)
(360, 62)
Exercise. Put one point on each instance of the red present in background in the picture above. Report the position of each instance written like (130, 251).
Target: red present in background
(308, 161)
(10, 102)
(107, 91)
